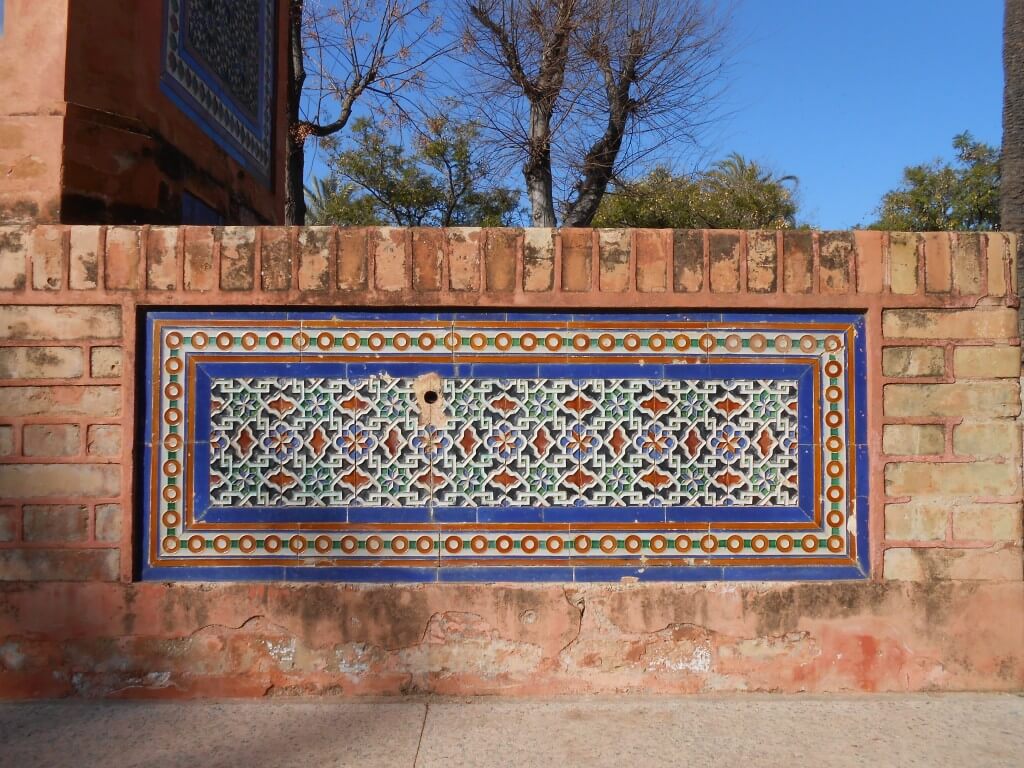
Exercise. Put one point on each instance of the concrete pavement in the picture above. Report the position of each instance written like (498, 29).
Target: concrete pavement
(756, 731)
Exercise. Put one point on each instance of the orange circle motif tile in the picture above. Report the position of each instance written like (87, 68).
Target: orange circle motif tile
(171, 544)
(221, 544)
(250, 341)
(554, 544)
(401, 341)
(833, 369)
(656, 342)
(425, 545)
(272, 544)
(173, 365)
(834, 494)
(708, 342)
(225, 340)
(399, 545)
(478, 544)
(835, 544)
(633, 544)
(374, 545)
(452, 341)
(553, 341)
(173, 340)
(581, 342)
(783, 343)
(606, 342)
(835, 519)
(833, 394)
(784, 543)
(478, 342)
(503, 342)
(376, 341)
(275, 340)
(350, 342)
(173, 391)
(325, 340)
(529, 544)
(199, 340)
(196, 544)
(734, 544)
(323, 544)
(426, 341)
(300, 341)
(631, 342)
(171, 519)
(658, 544)
(733, 343)
(173, 442)
(608, 544)
(246, 544)
(504, 544)
(528, 342)
(683, 543)
(834, 419)
(808, 344)
(582, 543)
(453, 544)
(349, 544)
(758, 343)
(834, 444)
(809, 543)
(709, 543)
(681, 342)
(834, 469)
(759, 543)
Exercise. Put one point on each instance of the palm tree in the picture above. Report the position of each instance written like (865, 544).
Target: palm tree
(740, 193)
(1011, 190)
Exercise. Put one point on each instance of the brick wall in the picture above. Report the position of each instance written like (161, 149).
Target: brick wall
(944, 608)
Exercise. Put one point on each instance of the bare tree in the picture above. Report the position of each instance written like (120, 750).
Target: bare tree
(347, 52)
(579, 89)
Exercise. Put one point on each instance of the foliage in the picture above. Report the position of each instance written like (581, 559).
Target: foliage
(329, 201)
(735, 193)
(442, 182)
(944, 196)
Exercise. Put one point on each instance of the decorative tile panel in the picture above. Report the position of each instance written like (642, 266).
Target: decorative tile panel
(219, 67)
(505, 447)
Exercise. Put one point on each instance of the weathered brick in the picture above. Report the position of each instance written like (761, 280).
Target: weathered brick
(798, 261)
(390, 260)
(352, 259)
(975, 399)
(427, 258)
(276, 258)
(51, 440)
(988, 439)
(724, 248)
(967, 263)
(86, 245)
(60, 401)
(464, 258)
(903, 262)
(105, 362)
(909, 362)
(987, 522)
(162, 258)
(913, 439)
(938, 563)
(316, 251)
(104, 440)
(41, 362)
(13, 258)
(199, 271)
(870, 261)
(614, 247)
(59, 564)
(976, 479)
(32, 481)
(6, 440)
(108, 522)
(916, 521)
(981, 323)
(22, 323)
(1000, 251)
(938, 263)
(124, 256)
(53, 523)
(838, 251)
(237, 258)
(688, 260)
(986, 362)
(538, 259)
(653, 255)
(9, 518)
(501, 254)
(577, 259)
(48, 258)
(762, 262)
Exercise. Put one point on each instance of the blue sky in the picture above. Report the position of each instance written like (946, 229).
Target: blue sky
(844, 94)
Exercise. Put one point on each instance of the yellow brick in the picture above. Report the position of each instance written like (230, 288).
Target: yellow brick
(987, 522)
(936, 563)
(988, 440)
(1002, 250)
(996, 323)
(975, 479)
(913, 439)
(916, 522)
(907, 362)
(903, 262)
(40, 362)
(976, 399)
(1002, 362)
(32, 481)
(60, 401)
(68, 322)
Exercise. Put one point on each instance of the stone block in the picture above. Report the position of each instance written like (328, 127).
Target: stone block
(51, 440)
(86, 245)
(199, 271)
(967, 262)
(162, 264)
(996, 362)
(275, 258)
(353, 271)
(59, 564)
(919, 521)
(913, 362)
(971, 400)
(427, 258)
(108, 522)
(953, 480)
(870, 261)
(13, 258)
(988, 440)
(913, 439)
(987, 522)
(938, 262)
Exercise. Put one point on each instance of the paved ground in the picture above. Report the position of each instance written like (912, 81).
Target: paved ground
(745, 732)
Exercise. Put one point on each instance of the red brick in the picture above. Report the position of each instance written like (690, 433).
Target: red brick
(390, 259)
(464, 258)
(275, 258)
(577, 259)
(352, 256)
(501, 254)
(762, 262)
(688, 260)
(427, 258)
(86, 245)
(108, 522)
(13, 261)
(615, 247)
(798, 262)
(59, 564)
(199, 272)
(51, 440)
(538, 259)
(725, 249)
(870, 261)
(316, 253)
(53, 523)
(838, 250)
(237, 258)
(48, 258)
(653, 255)
(967, 258)
(124, 255)
(938, 263)
(162, 258)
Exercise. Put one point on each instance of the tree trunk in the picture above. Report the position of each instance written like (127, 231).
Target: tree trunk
(537, 170)
(1011, 192)
(295, 167)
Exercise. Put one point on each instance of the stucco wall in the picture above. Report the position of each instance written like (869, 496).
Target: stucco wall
(943, 610)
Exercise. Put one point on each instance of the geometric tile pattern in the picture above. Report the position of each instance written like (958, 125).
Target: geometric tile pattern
(504, 447)
(218, 66)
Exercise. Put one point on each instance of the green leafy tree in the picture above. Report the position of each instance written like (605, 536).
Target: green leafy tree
(735, 193)
(329, 201)
(443, 181)
(944, 196)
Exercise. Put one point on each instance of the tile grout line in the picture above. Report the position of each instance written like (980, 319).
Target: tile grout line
(423, 728)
